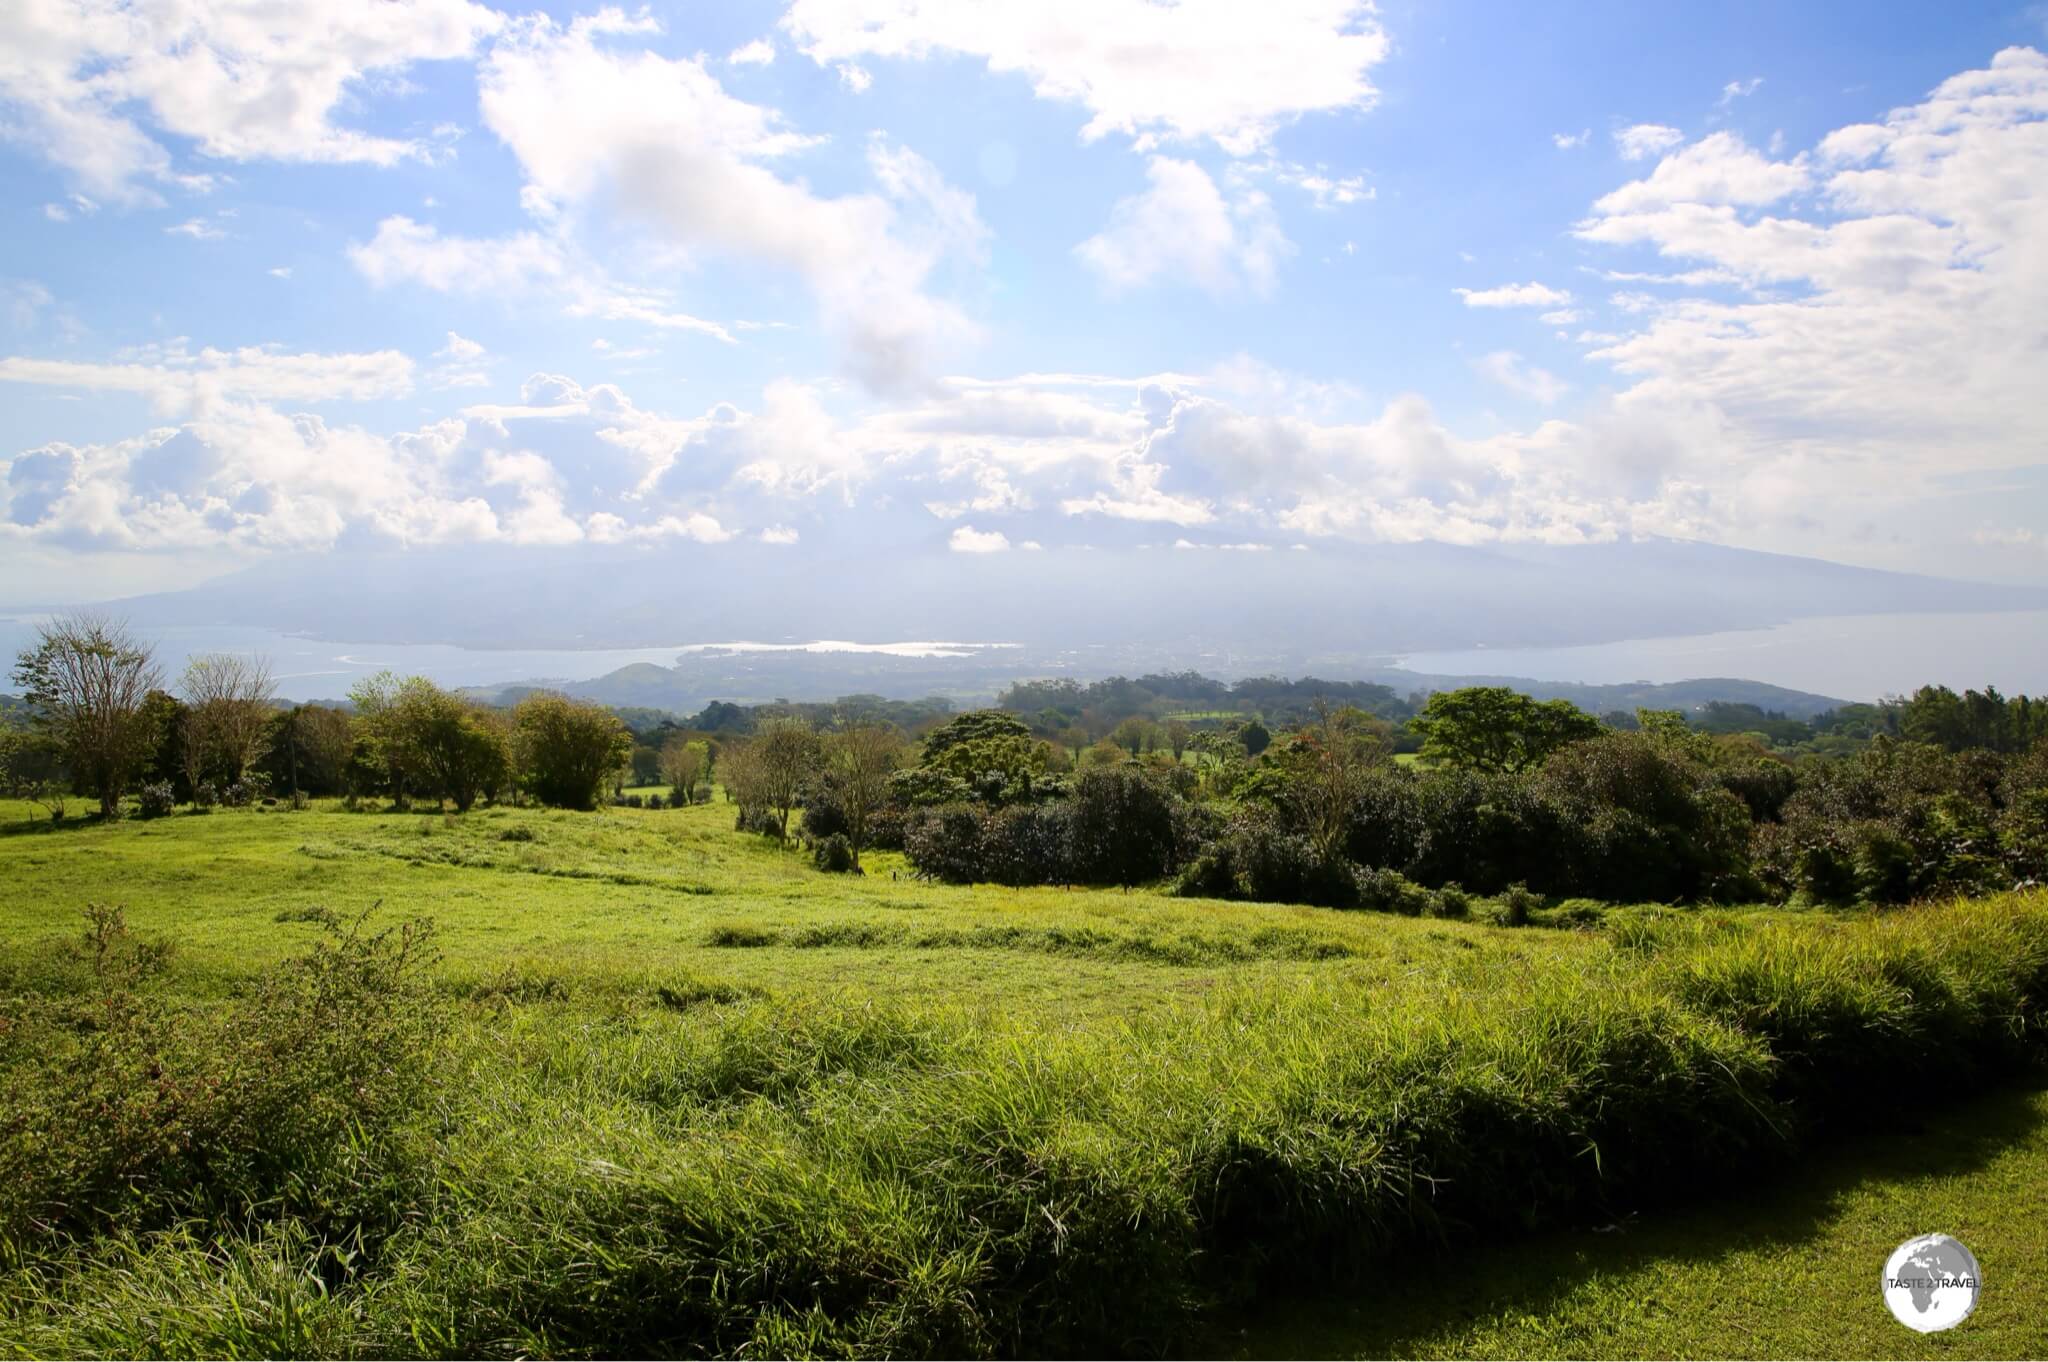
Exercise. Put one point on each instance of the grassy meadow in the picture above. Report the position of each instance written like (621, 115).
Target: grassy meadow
(653, 1087)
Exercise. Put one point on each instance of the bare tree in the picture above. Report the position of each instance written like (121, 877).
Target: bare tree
(227, 696)
(788, 753)
(745, 783)
(862, 758)
(87, 681)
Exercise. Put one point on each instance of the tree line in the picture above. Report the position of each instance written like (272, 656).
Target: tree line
(101, 720)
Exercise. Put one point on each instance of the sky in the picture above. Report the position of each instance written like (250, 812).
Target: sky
(926, 279)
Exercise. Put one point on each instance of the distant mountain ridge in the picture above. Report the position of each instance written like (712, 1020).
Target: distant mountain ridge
(1332, 605)
(682, 693)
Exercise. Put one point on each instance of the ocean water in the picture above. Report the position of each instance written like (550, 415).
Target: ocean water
(1851, 657)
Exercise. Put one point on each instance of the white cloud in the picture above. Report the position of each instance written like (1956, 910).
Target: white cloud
(1874, 347)
(1718, 169)
(408, 252)
(1514, 295)
(663, 144)
(280, 271)
(967, 539)
(199, 229)
(759, 52)
(1567, 141)
(241, 79)
(176, 379)
(854, 77)
(1182, 230)
(1510, 371)
(1644, 140)
(1200, 69)
(459, 347)
(778, 534)
(1737, 89)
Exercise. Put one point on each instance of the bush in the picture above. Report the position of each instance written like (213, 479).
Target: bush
(1449, 901)
(157, 799)
(287, 1102)
(833, 854)
(1516, 906)
(945, 843)
(1256, 859)
(1389, 891)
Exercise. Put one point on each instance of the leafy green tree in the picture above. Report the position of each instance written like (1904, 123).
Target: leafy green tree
(685, 765)
(564, 750)
(87, 681)
(988, 749)
(1496, 729)
(1255, 737)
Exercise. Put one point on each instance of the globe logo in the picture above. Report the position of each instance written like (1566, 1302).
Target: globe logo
(1931, 1283)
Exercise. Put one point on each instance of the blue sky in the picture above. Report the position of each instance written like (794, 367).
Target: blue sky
(1000, 279)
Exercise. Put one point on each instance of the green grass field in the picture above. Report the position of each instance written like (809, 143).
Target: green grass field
(686, 1094)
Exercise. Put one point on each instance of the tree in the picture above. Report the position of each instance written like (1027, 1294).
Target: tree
(1330, 759)
(566, 749)
(308, 748)
(990, 750)
(1255, 736)
(1498, 730)
(227, 700)
(684, 766)
(462, 747)
(862, 759)
(388, 746)
(1177, 734)
(1134, 735)
(745, 782)
(87, 681)
(788, 753)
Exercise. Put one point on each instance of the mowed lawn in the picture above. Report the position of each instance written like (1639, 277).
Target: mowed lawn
(607, 904)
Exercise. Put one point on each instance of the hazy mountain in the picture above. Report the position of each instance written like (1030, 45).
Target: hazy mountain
(1225, 611)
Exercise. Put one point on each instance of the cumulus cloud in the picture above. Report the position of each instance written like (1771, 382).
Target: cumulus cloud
(1718, 169)
(759, 52)
(967, 539)
(243, 80)
(1514, 295)
(1214, 70)
(407, 252)
(1644, 140)
(1182, 230)
(659, 140)
(1877, 340)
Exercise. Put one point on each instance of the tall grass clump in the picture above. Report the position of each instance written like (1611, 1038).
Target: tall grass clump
(126, 1111)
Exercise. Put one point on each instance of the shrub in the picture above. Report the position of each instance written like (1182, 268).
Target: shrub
(1449, 901)
(156, 799)
(945, 842)
(833, 854)
(1516, 906)
(1389, 891)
